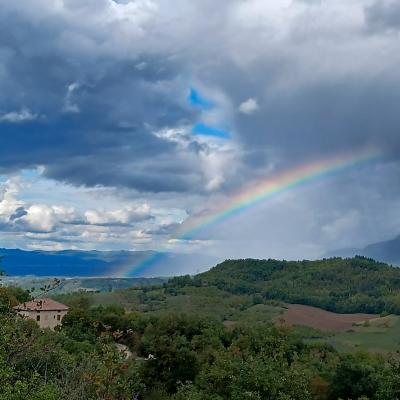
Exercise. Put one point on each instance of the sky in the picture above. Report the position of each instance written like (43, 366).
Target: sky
(122, 120)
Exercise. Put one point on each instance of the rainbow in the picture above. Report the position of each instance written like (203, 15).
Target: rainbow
(256, 193)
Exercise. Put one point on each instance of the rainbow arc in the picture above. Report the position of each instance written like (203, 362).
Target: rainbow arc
(256, 193)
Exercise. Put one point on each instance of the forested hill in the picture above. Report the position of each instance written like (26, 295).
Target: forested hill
(356, 284)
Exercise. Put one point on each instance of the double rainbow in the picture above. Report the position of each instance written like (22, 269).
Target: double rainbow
(260, 191)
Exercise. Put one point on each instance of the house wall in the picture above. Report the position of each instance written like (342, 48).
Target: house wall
(45, 319)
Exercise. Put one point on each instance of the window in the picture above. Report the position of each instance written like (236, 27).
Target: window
(38, 318)
(58, 317)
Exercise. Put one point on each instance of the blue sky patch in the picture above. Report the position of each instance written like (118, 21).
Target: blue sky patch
(196, 99)
(30, 174)
(201, 129)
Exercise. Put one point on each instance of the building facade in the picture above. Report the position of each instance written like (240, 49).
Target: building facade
(46, 312)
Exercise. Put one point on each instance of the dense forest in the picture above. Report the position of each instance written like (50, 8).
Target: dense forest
(170, 342)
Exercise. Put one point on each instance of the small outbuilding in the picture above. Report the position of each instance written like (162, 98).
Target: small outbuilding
(46, 312)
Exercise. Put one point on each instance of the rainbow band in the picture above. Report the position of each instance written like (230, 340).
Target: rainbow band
(258, 192)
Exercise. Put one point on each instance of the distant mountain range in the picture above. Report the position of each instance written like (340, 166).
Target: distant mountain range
(70, 263)
(387, 251)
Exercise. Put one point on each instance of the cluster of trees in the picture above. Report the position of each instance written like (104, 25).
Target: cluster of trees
(349, 285)
(176, 357)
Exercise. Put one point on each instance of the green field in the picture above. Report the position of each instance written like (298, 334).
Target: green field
(379, 335)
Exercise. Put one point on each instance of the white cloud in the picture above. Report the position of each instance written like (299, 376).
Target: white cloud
(69, 105)
(249, 106)
(49, 246)
(16, 117)
(8, 198)
(44, 218)
(30, 224)
(217, 159)
(40, 218)
(124, 216)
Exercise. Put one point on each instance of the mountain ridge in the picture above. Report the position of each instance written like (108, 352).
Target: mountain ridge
(96, 263)
(387, 251)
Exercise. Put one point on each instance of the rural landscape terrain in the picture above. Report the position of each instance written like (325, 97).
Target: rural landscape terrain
(256, 329)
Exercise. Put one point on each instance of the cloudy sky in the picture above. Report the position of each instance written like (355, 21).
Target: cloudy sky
(121, 120)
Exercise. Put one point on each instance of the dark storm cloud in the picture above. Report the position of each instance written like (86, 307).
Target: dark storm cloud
(102, 89)
(383, 15)
(106, 142)
(18, 213)
(327, 119)
(98, 110)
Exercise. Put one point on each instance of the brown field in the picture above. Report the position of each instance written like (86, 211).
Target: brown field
(297, 314)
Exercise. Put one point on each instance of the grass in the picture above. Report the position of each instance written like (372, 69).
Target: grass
(259, 313)
(379, 335)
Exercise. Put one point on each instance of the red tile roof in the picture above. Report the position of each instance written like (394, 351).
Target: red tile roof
(41, 305)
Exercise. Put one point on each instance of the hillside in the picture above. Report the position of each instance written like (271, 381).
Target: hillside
(348, 285)
(353, 285)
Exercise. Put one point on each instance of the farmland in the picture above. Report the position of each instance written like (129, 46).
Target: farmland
(326, 321)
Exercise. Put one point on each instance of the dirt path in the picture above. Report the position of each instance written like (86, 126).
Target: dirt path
(124, 350)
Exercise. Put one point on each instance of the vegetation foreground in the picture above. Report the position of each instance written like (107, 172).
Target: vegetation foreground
(214, 336)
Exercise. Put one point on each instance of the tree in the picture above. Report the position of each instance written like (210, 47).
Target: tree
(357, 375)
(389, 382)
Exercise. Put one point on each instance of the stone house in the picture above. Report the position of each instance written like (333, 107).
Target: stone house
(46, 312)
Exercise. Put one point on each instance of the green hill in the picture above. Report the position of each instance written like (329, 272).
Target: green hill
(347, 285)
